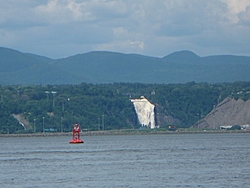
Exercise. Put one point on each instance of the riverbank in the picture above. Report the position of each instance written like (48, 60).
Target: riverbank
(126, 132)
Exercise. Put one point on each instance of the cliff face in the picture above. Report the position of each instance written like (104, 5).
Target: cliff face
(164, 120)
(228, 112)
(24, 122)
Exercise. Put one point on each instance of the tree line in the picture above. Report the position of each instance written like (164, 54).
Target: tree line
(108, 106)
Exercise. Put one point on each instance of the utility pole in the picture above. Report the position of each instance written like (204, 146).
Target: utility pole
(43, 125)
(61, 125)
(34, 125)
(98, 124)
(198, 119)
(53, 94)
(103, 122)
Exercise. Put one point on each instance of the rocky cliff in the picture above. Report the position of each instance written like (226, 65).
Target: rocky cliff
(228, 112)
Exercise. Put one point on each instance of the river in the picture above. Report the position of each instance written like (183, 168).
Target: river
(170, 160)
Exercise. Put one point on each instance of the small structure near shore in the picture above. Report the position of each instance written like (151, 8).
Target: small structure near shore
(76, 134)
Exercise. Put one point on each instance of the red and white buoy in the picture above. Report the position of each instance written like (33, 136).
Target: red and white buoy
(76, 134)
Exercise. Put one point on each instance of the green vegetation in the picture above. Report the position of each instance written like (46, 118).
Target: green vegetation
(107, 106)
(109, 67)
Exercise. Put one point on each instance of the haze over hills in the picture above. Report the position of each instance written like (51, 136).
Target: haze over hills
(109, 67)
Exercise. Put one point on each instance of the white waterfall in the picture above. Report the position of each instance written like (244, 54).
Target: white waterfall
(145, 112)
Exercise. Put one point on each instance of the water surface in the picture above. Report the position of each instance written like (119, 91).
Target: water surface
(171, 160)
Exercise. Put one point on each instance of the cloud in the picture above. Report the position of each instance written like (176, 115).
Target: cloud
(65, 11)
(140, 44)
(58, 28)
(59, 12)
(244, 16)
(235, 8)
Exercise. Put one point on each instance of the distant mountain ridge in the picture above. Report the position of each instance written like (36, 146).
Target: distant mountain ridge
(19, 68)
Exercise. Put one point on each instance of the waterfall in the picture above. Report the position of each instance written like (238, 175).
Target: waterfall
(145, 112)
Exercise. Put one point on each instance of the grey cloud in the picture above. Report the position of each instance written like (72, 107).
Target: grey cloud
(65, 27)
(245, 16)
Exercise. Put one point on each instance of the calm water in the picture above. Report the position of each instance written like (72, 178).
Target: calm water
(178, 160)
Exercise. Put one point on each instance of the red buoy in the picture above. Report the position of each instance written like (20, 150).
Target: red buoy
(76, 134)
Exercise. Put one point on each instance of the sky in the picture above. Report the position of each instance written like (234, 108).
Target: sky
(62, 28)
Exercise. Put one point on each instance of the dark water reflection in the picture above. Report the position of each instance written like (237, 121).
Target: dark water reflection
(178, 160)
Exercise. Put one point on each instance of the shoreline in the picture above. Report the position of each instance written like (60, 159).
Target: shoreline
(126, 132)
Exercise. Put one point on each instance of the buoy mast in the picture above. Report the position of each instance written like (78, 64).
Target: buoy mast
(76, 134)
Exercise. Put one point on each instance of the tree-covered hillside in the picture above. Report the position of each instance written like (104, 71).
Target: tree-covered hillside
(101, 67)
(107, 106)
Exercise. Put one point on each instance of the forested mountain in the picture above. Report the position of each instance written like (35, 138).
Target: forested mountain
(109, 67)
(57, 107)
(93, 87)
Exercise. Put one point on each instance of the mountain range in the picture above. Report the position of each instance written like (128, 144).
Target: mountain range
(18, 68)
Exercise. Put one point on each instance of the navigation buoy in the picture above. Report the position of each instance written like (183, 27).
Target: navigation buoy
(76, 134)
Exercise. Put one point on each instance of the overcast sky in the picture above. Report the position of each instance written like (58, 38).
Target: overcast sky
(61, 28)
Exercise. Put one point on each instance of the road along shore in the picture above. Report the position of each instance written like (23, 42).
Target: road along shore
(125, 132)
